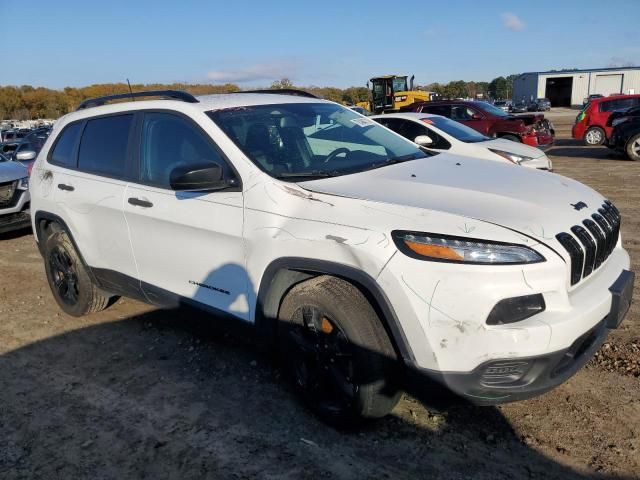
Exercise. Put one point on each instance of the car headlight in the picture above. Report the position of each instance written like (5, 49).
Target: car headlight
(445, 248)
(400, 98)
(512, 157)
(23, 184)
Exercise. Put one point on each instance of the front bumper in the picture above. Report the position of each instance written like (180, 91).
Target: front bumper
(16, 215)
(512, 379)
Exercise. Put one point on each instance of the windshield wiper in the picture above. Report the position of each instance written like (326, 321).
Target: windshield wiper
(394, 160)
(310, 173)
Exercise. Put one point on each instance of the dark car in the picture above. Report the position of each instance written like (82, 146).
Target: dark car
(625, 135)
(519, 107)
(531, 129)
(540, 105)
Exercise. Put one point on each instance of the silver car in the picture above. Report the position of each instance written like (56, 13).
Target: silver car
(14, 192)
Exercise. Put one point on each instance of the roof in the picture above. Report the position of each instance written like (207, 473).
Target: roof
(586, 70)
(205, 103)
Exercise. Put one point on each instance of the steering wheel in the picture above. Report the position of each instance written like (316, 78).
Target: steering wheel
(335, 153)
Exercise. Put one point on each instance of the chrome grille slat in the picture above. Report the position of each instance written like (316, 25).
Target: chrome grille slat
(597, 241)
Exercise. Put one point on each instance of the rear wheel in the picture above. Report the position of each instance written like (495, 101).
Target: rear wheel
(594, 136)
(633, 147)
(69, 280)
(337, 352)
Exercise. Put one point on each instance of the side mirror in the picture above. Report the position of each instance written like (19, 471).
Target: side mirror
(476, 116)
(26, 155)
(423, 140)
(198, 178)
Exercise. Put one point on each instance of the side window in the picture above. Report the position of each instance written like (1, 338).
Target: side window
(411, 130)
(444, 110)
(169, 141)
(394, 124)
(63, 152)
(103, 147)
(439, 143)
(461, 113)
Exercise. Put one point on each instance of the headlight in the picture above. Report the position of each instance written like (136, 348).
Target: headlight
(24, 183)
(400, 98)
(512, 157)
(618, 121)
(445, 248)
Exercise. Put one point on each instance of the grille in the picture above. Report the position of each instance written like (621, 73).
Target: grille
(7, 190)
(596, 239)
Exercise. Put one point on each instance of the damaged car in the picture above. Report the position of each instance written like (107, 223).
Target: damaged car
(372, 265)
(14, 195)
(531, 129)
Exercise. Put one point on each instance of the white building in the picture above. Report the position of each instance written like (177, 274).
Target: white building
(570, 87)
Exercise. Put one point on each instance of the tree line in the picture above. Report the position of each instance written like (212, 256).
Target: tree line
(27, 102)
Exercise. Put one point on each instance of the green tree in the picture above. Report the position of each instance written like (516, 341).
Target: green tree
(499, 88)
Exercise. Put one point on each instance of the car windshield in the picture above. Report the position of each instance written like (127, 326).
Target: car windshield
(487, 107)
(303, 140)
(455, 129)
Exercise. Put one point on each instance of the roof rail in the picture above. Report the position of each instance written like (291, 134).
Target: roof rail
(168, 94)
(282, 91)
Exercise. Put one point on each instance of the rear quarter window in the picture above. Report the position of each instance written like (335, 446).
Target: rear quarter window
(63, 152)
(103, 147)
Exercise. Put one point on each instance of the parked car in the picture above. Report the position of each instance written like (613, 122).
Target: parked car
(442, 134)
(364, 258)
(591, 123)
(519, 107)
(540, 105)
(625, 133)
(9, 147)
(531, 129)
(504, 105)
(14, 195)
(586, 101)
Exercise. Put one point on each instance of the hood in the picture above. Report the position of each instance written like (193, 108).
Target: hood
(512, 147)
(535, 203)
(10, 171)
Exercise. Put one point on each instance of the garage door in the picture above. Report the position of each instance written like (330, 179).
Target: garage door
(608, 84)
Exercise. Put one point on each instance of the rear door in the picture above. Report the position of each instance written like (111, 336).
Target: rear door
(187, 245)
(89, 183)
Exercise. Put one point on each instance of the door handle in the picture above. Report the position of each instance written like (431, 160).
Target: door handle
(139, 202)
(67, 188)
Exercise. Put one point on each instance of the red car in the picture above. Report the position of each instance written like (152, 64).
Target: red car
(591, 122)
(531, 129)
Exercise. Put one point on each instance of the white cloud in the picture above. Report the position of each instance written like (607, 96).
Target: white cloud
(512, 22)
(268, 71)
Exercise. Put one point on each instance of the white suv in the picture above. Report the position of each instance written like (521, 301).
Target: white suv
(370, 262)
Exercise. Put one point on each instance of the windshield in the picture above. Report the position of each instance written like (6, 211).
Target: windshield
(312, 139)
(400, 84)
(487, 107)
(455, 129)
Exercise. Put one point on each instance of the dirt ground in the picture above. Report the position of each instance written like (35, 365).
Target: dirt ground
(134, 392)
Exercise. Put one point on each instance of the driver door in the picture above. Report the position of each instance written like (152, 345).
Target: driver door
(187, 245)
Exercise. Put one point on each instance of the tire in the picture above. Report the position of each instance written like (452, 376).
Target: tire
(594, 136)
(513, 138)
(633, 148)
(337, 352)
(70, 283)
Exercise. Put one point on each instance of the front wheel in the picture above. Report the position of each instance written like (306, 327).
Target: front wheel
(70, 283)
(337, 352)
(594, 136)
(633, 147)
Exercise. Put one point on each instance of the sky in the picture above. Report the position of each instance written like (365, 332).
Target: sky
(324, 43)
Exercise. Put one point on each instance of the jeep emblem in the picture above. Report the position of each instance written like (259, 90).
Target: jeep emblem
(579, 205)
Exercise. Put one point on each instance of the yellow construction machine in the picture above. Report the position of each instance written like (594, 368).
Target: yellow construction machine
(389, 93)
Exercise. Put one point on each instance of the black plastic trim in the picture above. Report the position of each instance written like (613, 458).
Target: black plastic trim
(167, 94)
(282, 91)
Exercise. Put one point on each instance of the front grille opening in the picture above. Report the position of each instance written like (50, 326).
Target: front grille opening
(597, 240)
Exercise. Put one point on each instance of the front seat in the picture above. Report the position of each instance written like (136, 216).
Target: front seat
(258, 143)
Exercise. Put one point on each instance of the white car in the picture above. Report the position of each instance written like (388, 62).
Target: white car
(14, 194)
(443, 134)
(359, 255)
